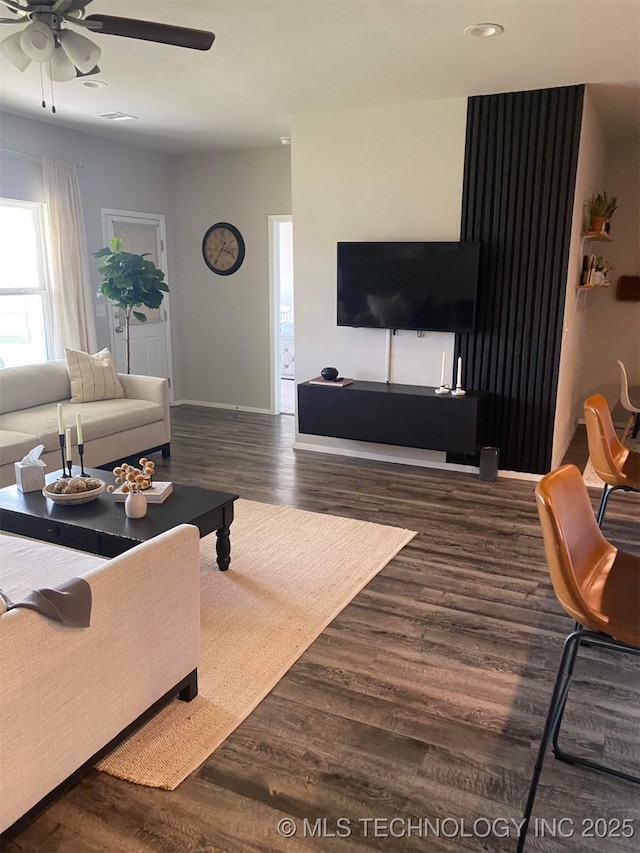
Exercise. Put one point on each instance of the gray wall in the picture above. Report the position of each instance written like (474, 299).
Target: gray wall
(223, 321)
(110, 175)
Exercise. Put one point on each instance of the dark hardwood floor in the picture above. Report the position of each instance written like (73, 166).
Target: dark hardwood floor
(424, 699)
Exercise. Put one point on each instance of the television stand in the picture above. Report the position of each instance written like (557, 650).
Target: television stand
(403, 415)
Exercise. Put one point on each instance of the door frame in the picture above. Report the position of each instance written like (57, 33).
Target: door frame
(274, 309)
(108, 215)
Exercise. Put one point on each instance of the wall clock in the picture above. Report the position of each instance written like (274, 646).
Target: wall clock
(223, 248)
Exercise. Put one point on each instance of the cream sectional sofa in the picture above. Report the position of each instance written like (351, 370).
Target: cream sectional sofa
(113, 429)
(66, 693)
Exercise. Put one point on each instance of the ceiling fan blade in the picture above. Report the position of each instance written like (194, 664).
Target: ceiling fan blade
(152, 31)
(14, 20)
(15, 7)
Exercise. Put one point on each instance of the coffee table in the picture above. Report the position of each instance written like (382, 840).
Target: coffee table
(101, 527)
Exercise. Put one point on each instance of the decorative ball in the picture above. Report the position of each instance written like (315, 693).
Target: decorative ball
(329, 373)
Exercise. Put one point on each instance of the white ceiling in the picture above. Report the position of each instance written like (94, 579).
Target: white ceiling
(274, 58)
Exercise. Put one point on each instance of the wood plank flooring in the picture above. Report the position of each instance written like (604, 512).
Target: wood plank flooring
(424, 699)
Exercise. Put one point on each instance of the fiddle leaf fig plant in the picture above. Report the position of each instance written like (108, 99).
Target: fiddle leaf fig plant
(130, 281)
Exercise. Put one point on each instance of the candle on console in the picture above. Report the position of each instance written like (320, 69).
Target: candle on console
(67, 444)
(79, 427)
(444, 355)
(60, 421)
(459, 380)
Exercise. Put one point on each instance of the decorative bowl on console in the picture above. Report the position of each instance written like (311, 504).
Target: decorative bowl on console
(74, 491)
(330, 374)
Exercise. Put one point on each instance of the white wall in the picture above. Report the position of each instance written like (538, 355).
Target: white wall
(599, 329)
(382, 173)
(590, 176)
(223, 321)
(612, 327)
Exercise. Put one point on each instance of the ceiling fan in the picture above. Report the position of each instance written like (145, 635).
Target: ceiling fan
(67, 54)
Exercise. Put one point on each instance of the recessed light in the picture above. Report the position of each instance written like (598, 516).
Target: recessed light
(116, 116)
(484, 30)
(95, 84)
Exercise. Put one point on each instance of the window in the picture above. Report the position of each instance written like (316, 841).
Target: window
(24, 303)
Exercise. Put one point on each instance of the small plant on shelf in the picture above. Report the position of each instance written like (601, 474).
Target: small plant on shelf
(600, 209)
(132, 479)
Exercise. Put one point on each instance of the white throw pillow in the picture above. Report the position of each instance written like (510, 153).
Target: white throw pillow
(92, 377)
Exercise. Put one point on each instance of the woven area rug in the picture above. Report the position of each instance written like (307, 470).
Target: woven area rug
(590, 477)
(291, 573)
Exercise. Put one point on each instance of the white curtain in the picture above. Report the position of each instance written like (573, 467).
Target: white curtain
(72, 305)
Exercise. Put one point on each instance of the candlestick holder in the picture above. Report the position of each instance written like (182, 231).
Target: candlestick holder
(458, 391)
(443, 389)
(64, 465)
(69, 468)
(81, 452)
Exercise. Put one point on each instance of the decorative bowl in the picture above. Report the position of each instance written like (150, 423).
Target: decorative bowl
(75, 499)
(329, 374)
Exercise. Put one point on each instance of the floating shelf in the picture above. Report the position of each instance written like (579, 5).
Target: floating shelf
(592, 286)
(600, 236)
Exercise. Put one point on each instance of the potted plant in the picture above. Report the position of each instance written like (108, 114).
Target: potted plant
(130, 281)
(600, 209)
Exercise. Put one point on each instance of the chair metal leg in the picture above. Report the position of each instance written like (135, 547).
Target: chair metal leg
(604, 500)
(556, 711)
(571, 665)
(570, 758)
(636, 426)
(556, 707)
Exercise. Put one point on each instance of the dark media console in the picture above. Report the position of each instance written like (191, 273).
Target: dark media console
(404, 415)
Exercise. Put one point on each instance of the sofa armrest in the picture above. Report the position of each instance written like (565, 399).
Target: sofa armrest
(66, 692)
(150, 388)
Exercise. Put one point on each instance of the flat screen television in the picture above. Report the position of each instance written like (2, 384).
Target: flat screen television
(422, 286)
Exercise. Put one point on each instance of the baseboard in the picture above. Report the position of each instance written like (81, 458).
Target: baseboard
(418, 463)
(520, 475)
(231, 406)
(385, 457)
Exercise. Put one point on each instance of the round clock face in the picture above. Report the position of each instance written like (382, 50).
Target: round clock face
(223, 248)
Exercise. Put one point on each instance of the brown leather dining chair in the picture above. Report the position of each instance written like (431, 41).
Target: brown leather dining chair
(616, 465)
(598, 585)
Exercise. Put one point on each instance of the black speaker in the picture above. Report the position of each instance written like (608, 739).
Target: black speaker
(489, 457)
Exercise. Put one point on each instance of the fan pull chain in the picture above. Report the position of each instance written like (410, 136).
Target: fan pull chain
(44, 103)
(53, 98)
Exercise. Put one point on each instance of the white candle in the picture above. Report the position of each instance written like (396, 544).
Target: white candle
(444, 355)
(60, 421)
(459, 382)
(67, 444)
(79, 427)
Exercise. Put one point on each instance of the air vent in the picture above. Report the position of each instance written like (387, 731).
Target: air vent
(118, 116)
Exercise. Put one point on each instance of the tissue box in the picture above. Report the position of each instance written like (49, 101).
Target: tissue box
(29, 478)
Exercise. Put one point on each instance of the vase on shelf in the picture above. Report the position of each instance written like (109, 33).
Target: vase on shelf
(596, 224)
(135, 505)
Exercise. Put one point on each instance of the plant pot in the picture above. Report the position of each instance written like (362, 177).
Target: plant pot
(596, 224)
(135, 505)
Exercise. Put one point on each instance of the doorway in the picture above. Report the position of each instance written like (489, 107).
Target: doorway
(141, 233)
(283, 383)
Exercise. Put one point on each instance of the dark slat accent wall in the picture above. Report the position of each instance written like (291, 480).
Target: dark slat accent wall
(519, 180)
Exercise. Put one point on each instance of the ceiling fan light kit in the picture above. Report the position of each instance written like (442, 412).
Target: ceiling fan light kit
(84, 54)
(61, 68)
(13, 51)
(37, 41)
(67, 53)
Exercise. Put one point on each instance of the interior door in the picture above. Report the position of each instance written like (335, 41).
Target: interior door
(150, 341)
